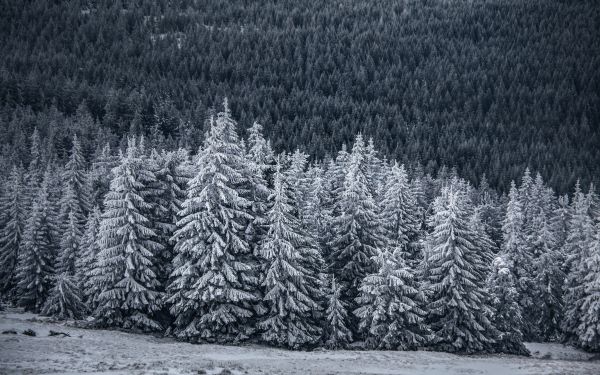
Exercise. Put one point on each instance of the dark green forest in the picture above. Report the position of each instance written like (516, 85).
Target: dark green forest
(485, 86)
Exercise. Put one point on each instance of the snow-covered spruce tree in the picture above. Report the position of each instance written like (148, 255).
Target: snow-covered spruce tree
(459, 313)
(259, 149)
(64, 301)
(76, 199)
(356, 230)
(588, 331)
(128, 247)
(259, 160)
(214, 279)
(390, 311)
(318, 215)
(336, 172)
(12, 214)
(483, 243)
(100, 175)
(399, 216)
(337, 335)
(35, 266)
(87, 263)
(516, 252)
(172, 173)
(580, 231)
(69, 245)
(374, 170)
(35, 169)
(290, 298)
(548, 277)
(295, 176)
(508, 319)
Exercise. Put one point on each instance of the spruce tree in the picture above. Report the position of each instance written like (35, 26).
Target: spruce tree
(517, 254)
(35, 169)
(287, 283)
(69, 246)
(390, 311)
(399, 215)
(35, 266)
(258, 171)
(100, 175)
(356, 229)
(318, 208)
(87, 263)
(548, 278)
(295, 176)
(12, 211)
(337, 335)
(128, 247)
(459, 313)
(214, 278)
(579, 238)
(75, 182)
(508, 318)
(172, 173)
(259, 149)
(588, 331)
(64, 301)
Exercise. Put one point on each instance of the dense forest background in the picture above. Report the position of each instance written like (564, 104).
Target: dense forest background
(486, 86)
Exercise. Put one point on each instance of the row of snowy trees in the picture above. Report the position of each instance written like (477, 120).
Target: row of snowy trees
(238, 243)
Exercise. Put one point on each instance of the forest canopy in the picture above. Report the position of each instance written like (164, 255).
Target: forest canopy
(486, 86)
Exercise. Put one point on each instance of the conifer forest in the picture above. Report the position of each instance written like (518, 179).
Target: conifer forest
(342, 175)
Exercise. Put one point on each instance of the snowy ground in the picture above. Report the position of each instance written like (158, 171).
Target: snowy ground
(109, 352)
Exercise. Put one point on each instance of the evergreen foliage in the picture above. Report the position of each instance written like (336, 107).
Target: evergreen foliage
(12, 221)
(290, 297)
(35, 265)
(214, 281)
(128, 247)
(390, 309)
(459, 313)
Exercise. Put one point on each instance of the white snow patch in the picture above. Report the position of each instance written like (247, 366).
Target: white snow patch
(114, 352)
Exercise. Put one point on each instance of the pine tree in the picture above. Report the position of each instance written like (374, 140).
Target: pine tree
(398, 215)
(459, 313)
(290, 300)
(588, 331)
(374, 170)
(318, 208)
(35, 170)
(518, 257)
(128, 247)
(214, 281)
(548, 278)
(356, 230)
(579, 237)
(337, 335)
(390, 309)
(87, 264)
(69, 246)
(508, 318)
(64, 301)
(259, 149)
(12, 209)
(172, 174)
(35, 266)
(100, 175)
(75, 182)
(259, 160)
(295, 176)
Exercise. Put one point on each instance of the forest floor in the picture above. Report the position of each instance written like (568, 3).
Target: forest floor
(114, 352)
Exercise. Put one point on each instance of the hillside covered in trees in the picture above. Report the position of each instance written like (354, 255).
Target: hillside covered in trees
(485, 86)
